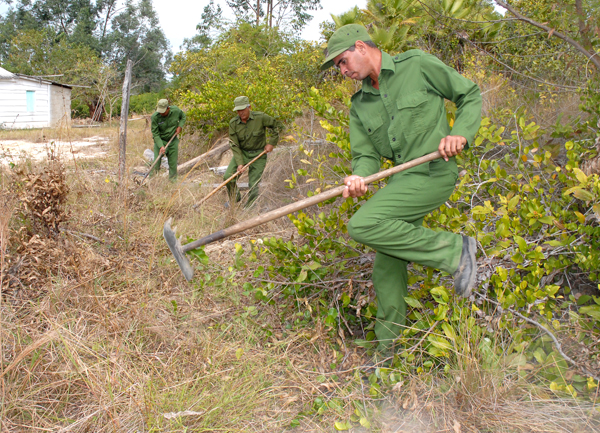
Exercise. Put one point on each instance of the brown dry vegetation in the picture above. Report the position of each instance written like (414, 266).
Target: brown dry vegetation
(100, 332)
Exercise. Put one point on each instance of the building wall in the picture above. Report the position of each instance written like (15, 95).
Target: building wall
(14, 109)
(60, 106)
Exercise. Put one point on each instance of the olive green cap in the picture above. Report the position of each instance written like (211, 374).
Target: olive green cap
(240, 103)
(342, 39)
(162, 106)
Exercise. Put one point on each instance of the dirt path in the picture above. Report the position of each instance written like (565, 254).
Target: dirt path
(90, 147)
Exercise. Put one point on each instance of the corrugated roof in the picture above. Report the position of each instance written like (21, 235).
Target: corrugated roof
(4, 74)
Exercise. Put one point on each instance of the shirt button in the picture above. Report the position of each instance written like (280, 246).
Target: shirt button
(394, 139)
(392, 117)
(385, 96)
(369, 129)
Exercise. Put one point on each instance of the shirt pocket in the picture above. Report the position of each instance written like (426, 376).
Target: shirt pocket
(413, 113)
(373, 126)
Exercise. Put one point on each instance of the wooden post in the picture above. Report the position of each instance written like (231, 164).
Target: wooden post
(123, 123)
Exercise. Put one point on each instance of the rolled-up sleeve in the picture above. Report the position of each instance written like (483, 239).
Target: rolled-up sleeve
(449, 84)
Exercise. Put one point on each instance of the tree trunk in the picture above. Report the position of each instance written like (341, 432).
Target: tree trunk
(123, 124)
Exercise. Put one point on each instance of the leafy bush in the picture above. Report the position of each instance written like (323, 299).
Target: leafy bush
(211, 79)
(536, 222)
(145, 103)
(79, 109)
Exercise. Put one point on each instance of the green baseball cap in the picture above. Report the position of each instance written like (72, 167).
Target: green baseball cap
(162, 106)
(240, 103)
(343, 38)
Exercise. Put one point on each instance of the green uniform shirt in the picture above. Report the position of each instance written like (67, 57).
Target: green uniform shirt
(406, 118)
(251, 136)
(163, 128)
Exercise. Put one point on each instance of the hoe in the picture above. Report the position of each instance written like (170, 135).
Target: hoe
(179, 250)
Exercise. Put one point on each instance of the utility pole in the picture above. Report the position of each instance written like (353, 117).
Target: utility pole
(123, 122)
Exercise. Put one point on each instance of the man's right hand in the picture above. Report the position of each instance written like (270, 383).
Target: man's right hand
(240, 168)
(355, 186)
(161, 151)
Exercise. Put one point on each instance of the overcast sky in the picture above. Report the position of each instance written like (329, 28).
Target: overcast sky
(178, 18)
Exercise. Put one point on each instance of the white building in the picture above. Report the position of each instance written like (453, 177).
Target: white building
(31, 102)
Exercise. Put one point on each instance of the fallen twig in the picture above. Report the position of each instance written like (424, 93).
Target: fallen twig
(85, 235)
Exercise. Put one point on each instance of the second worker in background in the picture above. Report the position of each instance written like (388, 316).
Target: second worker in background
(247, 138)
(166, 122)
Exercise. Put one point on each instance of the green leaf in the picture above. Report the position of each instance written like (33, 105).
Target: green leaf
(312, 266)
(342, 425)
(512, 204)
(301, 276)
(413, 302)
(439, 342)
(548, 219)
(449, 331)
(238, 353)
(199, 254)
(441, 291)
(521, 243)
(592, 310)
(581, 177)
(583, 195)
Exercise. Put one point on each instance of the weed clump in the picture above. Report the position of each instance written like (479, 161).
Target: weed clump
(35, 251)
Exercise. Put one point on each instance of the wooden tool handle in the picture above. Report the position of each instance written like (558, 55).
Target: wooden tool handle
(315, 199)
(237, 173)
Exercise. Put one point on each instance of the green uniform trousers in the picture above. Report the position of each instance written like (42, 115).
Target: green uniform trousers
(172, 153)
(391, 223)
(255, 172)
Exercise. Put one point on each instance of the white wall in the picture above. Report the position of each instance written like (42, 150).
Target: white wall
(13, 102)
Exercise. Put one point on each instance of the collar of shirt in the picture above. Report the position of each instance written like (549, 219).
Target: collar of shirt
(387, 64)
(238, 120)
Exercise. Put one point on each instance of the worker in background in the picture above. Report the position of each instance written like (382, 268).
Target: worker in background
(248, 138)
(167, 121)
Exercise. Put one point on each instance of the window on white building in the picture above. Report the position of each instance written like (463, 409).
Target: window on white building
(30, 101)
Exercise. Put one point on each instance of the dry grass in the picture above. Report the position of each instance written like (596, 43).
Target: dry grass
(116, 340)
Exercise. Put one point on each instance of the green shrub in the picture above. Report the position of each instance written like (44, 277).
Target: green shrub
(536, 222)
(79, 109)
(211, 79)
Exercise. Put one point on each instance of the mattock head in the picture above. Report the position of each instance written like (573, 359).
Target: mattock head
(177, 250)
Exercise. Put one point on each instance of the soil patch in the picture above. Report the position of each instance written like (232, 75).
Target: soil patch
(90, 147)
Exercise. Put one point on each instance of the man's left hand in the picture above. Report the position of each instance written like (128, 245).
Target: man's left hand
(268, 148)
(178, 130)
(451, 145)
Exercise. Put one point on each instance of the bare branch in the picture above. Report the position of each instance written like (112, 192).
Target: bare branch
(593, 57)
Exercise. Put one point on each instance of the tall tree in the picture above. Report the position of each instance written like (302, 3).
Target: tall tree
(114, 29)
(136, 35)
(275, 13)
(211, 25)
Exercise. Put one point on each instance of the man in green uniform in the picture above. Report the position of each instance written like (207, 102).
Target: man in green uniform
(247, 138)
(399, 115)
(166, 122)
